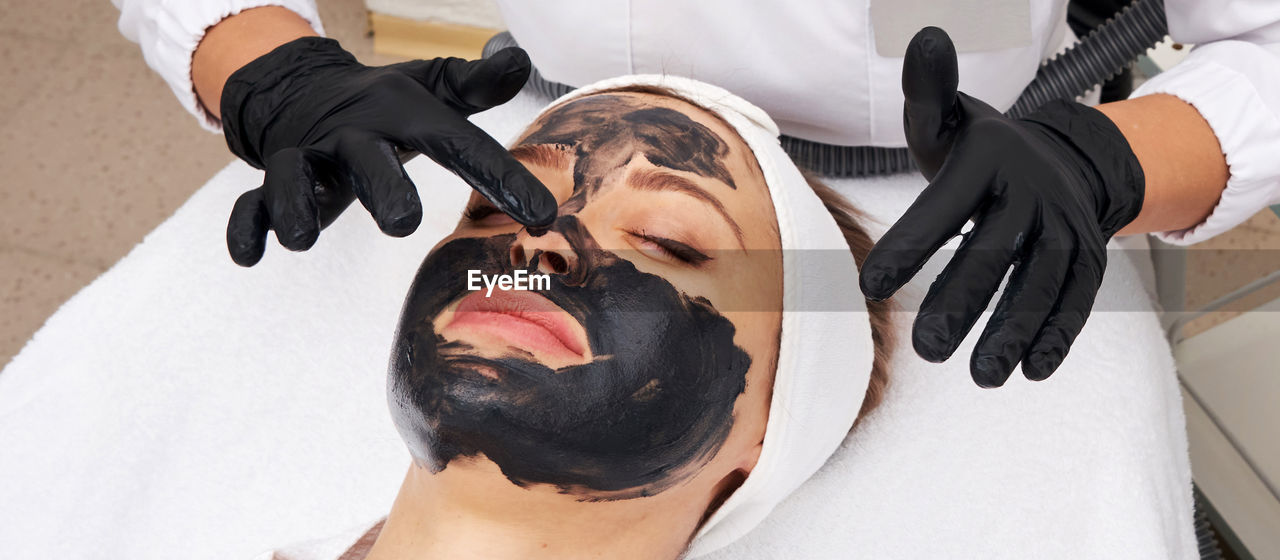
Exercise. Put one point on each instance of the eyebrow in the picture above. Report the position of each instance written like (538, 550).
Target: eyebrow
(554, 156)
(658, 180)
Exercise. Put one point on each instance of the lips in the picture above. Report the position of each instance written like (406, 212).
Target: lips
(524, 319)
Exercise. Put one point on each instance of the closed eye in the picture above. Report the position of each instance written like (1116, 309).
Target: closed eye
(661, 180)
(670, 248)
(484, 214)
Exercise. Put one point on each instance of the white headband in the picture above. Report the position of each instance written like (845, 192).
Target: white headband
(825, 352)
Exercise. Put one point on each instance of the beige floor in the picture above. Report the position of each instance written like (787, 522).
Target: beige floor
(95, 152)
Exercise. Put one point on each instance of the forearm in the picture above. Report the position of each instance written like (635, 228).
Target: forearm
(1184, 166)
(236, 41)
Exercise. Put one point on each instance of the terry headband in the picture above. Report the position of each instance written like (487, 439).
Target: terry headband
(825, 351)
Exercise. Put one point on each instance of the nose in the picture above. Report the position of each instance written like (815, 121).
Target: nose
(552, 253)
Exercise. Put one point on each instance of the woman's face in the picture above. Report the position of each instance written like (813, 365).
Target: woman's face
(647, 357)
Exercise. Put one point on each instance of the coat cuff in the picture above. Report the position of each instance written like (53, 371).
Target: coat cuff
(178, 28)
(1235, 86)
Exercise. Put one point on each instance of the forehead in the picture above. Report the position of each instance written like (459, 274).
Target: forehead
(677, 133)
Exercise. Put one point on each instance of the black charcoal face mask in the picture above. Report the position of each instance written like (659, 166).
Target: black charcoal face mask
(656, 401)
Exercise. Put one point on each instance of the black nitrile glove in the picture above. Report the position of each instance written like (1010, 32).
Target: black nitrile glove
(328, 130)
(1045, 193)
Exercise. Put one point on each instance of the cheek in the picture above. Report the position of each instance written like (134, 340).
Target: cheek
(757, 331)
(736, 281)
(750, 280)
(757, 313)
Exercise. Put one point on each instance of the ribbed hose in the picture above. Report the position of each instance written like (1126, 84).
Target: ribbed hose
(1205, 540)
(1098, 57)
(1095, 59)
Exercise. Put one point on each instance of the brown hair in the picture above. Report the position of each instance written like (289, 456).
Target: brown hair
(849, 219)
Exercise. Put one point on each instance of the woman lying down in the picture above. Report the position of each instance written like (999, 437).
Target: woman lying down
(699, 350)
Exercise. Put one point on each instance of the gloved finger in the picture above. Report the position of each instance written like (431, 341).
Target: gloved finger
(371, 167)
(929, 115)
(1028, 299)
(471, 86)
(289, 193)
(247, 228)
(937, 215)
(960, 294)
(459, 146)
(1067, 319)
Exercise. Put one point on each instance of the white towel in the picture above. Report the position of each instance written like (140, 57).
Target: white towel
(181, 406)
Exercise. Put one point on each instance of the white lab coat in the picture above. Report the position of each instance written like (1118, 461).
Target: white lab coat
(815, 68)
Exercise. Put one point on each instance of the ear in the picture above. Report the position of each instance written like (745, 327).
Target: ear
(750, 456)
(730, 482)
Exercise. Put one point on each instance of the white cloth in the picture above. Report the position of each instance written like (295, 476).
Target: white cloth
(825, 349)
(181, 405)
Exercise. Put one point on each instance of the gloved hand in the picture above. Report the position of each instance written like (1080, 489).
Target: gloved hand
(1046, 192)
(328, 130)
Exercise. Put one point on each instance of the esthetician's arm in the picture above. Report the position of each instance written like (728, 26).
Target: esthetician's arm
(235, 42)
(1184, 166)
(328, 130)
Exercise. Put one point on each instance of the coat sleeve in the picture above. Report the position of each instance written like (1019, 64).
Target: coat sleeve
(169, 30)
(1232, 77)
